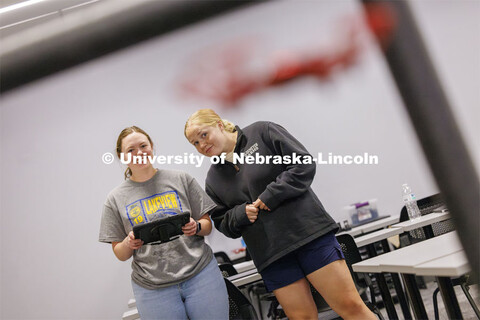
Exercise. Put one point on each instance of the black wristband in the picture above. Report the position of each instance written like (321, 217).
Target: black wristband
(199, 227)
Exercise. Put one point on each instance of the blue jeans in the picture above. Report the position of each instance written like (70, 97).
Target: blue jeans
(202, 297)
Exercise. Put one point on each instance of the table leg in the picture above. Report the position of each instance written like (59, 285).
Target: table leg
(384, 290)
(415, 297)
(398, 287)
(449, 298)
(401, 297)
(386, 297)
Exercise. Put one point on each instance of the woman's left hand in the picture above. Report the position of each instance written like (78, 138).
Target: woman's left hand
(259, 204)
(190, 229)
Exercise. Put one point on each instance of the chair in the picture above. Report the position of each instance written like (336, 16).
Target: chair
(259, 290)
(222, 257)
(227, 269)
(240, 307)
(362, 280)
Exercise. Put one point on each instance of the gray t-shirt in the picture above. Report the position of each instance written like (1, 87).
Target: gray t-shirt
(167, 192)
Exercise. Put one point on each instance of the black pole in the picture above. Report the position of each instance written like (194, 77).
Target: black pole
(434, 123)
(119, 24)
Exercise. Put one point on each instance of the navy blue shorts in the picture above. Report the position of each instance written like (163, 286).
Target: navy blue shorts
(301, 262)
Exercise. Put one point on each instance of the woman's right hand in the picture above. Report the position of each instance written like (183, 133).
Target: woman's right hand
(252, 212)
(131, 242)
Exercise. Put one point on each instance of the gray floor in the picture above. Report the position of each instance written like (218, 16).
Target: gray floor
(427, 294)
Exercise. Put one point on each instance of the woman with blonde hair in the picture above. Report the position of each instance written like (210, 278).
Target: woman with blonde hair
(288, 233)
(179, 279)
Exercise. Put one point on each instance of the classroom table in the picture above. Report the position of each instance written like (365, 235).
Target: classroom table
(244, 266)
(424, 222)
(378, 235)
(394, 229)
(417, 259)
(131, 314)
(421, 252)
(245, 278)
(371, 226)
(379, 224)
(452, 265)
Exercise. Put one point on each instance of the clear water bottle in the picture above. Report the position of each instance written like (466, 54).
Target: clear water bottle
(410, 202)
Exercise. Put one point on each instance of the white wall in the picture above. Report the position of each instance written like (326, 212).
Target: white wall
(54, 132)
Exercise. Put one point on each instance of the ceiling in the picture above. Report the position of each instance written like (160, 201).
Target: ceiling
(5, 3)
(37, 12)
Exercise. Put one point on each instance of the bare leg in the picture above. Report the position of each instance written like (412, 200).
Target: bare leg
(334, 282)
(297, 301)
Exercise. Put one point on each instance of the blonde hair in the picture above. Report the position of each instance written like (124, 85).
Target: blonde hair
(125, 132)
(208, 117)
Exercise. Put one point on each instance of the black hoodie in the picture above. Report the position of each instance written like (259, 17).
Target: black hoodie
(296, 217)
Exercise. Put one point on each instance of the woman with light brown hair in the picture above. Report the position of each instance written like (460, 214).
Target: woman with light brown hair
(288, 233)
(179, 279)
